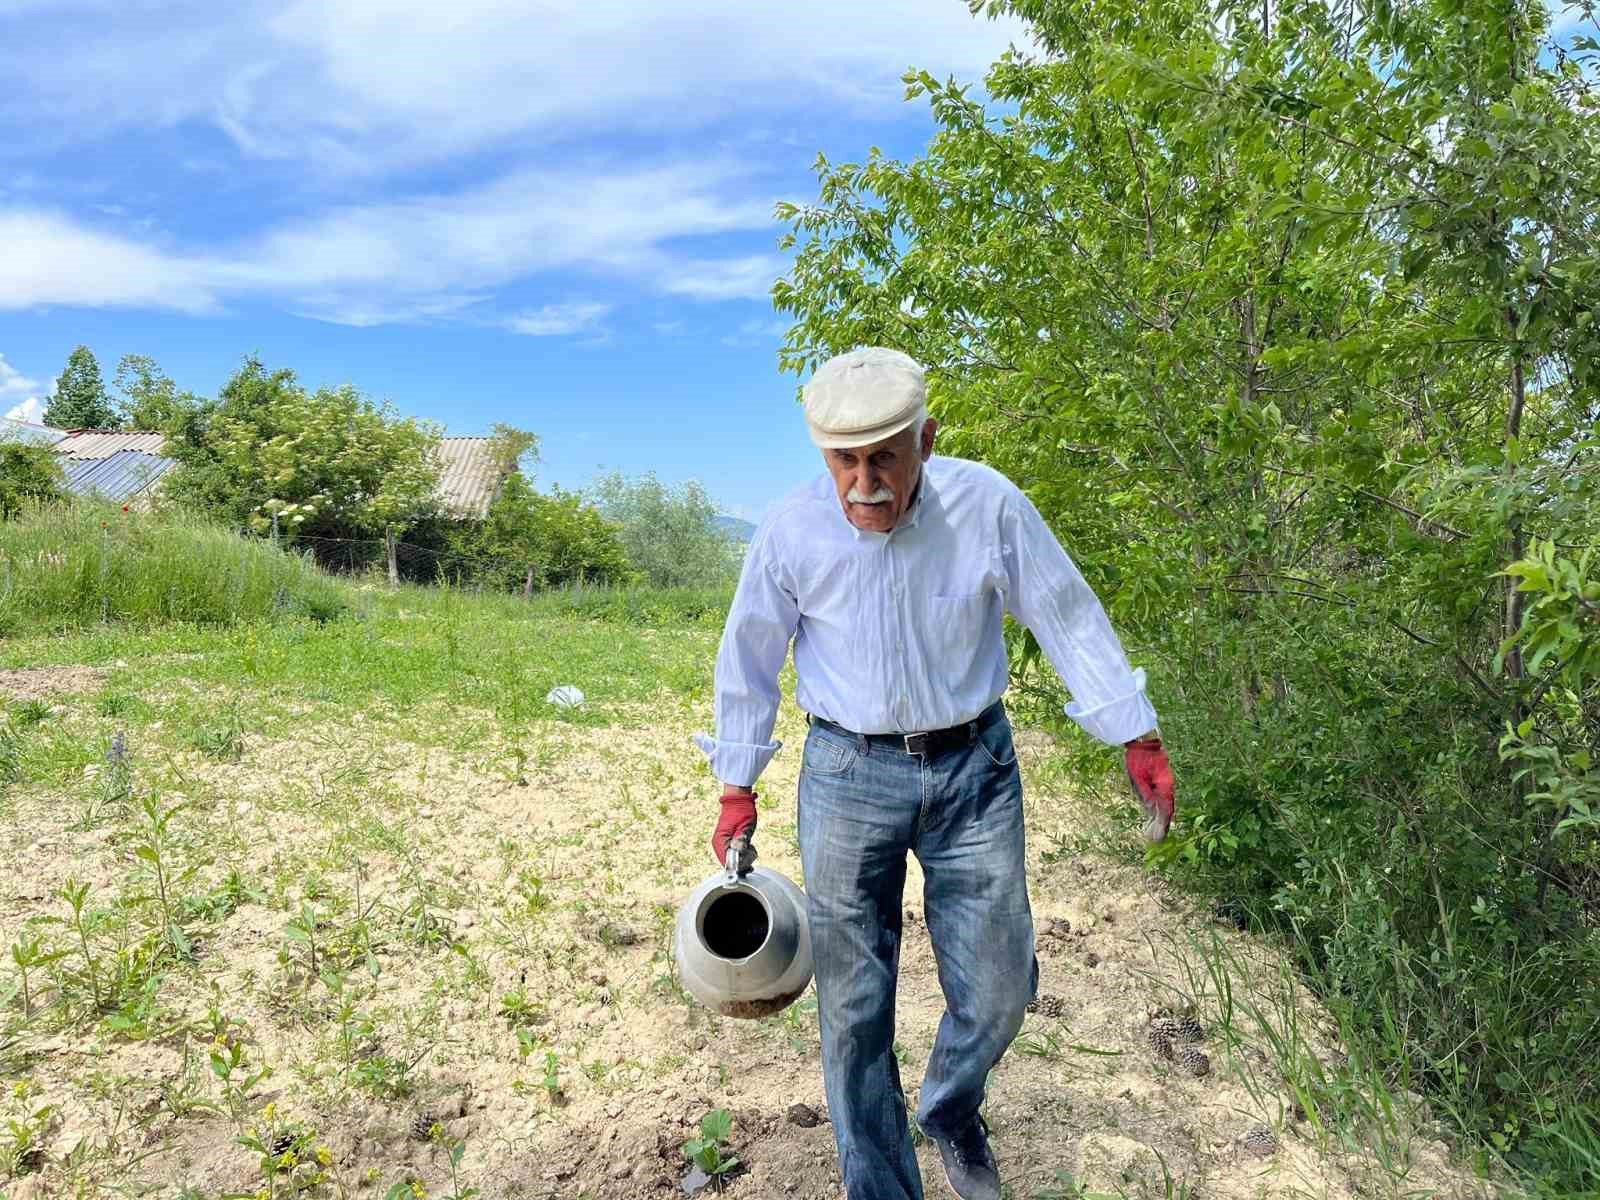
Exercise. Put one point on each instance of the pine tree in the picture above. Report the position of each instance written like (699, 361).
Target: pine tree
(80, 401)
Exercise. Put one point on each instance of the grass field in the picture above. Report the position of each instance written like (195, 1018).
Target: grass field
(297, 906)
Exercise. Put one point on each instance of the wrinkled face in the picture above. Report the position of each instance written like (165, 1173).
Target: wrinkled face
(876, 483)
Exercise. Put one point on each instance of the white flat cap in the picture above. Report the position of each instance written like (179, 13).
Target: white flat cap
(864, 396)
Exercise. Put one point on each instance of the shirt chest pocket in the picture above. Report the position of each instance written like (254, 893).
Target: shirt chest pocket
(957, 625)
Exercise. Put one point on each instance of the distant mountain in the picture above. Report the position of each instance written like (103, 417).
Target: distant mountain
(739, 531)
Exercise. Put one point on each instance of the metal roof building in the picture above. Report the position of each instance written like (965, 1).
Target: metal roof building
(469, 480)
(100, 443)
(13, 430)
(120, 477)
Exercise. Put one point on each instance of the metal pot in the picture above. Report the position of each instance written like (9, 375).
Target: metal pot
(742, 944)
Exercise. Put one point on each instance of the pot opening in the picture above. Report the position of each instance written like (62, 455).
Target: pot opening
(735, 925)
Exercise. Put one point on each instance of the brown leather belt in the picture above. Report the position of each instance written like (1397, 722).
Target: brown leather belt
(934, 741)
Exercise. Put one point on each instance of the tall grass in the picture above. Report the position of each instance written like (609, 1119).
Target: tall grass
(649, 607)
(70, 566)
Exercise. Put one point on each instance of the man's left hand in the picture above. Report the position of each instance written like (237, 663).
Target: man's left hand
(1151, 776)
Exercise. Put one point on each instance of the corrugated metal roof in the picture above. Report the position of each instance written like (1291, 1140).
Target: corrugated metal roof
(469, 480)
(96, 443)
(12, 429)
(121, 477)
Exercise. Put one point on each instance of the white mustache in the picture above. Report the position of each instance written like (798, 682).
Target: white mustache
(882, 496)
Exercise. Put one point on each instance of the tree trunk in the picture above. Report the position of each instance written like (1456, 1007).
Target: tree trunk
(527, 584)
(389, 543)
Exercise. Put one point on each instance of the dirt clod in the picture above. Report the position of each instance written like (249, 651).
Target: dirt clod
(804, 1116)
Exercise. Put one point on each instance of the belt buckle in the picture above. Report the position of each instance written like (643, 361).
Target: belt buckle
(917, 743)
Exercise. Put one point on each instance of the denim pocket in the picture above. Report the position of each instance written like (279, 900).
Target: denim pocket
(997, 744)
(827, 755)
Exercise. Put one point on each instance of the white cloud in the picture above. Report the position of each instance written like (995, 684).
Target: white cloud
(31, 411)
(354, 85)
(50, 259)
(559, 320)
(14, 385)
(746, 278)
(425, 257)
(753, 333)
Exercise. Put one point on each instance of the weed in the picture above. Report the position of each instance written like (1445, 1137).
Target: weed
(29, 954)
(25, 714)
(551, 1083)
(153, 848)
(1040, 1043)
(223, 738)
(238, 1076)
(454, 1149)
(84, 923)
(184, 1096)
(301, 931)
(22, 1143)
(11, 755)
(518, 1010)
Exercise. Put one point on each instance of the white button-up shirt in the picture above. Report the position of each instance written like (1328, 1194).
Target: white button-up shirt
(901, 632)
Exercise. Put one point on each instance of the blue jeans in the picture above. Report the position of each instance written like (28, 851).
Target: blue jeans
(863, 807)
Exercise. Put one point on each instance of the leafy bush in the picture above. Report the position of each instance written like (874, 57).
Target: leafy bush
(29, 475)
(81, 564)
(670, 534)
(1287, 326)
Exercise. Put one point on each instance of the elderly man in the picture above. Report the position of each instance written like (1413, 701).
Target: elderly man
(890, 575)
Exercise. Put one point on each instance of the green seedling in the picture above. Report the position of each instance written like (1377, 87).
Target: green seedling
(22, 1147)
(84, 923)
(185, 1095)
(239, 1077)
(710, 1151)
(454, 1149)
(302, 931)
(30, 954)
(154, 849)
(551, 1083)
(518, 1010)
(222, 739)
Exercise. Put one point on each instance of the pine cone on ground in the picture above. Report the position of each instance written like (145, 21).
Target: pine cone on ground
(422, 1126)
(1189, 1029)
(1047, 1006)
(1160, 1042)
(1194, 1062)
(1261, 1141)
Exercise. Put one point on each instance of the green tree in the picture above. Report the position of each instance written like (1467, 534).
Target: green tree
(1283, 315)
(330, 464)
(29, 474)
(669, 533)
(80, 400)
(150, 401)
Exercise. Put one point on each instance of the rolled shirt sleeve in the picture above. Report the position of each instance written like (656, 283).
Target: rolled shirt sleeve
(1048, 594)
(755, 642)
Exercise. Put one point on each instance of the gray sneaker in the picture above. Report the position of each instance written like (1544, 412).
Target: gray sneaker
(969, 1167)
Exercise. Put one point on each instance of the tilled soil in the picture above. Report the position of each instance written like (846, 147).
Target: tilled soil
(473, 887)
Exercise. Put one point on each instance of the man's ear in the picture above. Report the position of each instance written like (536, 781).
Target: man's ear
(929, 429)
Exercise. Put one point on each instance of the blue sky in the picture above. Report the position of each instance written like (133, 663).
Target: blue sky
(555, 214)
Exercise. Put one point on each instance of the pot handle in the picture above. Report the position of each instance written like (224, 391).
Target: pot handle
(736, 852)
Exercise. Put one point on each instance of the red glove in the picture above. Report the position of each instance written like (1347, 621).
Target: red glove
(738, 818)
(1151, 776)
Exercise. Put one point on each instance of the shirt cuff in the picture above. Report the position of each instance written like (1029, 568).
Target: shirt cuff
(737, 763)
(1117, 721)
